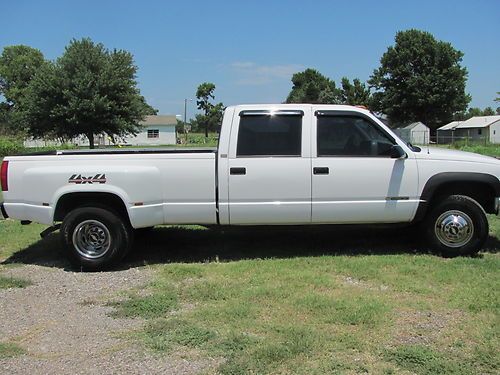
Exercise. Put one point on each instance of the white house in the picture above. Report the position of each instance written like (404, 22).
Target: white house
(156, 130)
(417, 133)
(478, 128)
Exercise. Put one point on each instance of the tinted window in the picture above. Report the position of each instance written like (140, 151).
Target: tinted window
(351, 136)
(266, 135)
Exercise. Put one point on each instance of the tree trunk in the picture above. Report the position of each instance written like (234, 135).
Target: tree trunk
(90, 136)
(206, 129)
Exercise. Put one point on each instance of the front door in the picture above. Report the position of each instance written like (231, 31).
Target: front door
(269, 169)
(354, 178)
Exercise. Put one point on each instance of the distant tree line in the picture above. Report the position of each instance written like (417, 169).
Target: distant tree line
(92, 90)
(419, 79)
(87, 91)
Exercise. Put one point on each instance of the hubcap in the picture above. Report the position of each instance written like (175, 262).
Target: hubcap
(91, 239)
(454, 228)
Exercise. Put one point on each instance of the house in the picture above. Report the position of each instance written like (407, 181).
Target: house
(446, 133)
(156, 130)
(417, 133)
(478, 128)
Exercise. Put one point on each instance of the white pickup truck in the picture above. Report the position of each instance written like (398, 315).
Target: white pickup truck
(285, 164)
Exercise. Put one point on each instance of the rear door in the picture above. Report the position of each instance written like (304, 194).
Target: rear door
(270, 167)
(354, 178)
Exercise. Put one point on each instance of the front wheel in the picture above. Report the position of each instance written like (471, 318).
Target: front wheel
(457, 226)
(95, 238)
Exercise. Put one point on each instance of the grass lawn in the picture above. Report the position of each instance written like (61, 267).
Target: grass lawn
(293, 307)
(314, 301)
(489, 149)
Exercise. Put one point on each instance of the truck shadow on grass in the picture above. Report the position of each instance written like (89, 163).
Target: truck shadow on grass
(194, 244)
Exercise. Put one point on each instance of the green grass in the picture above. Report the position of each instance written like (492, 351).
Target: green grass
(326, 314)
(13, 282)
(315, 302)
(489, 149)
(8, 350)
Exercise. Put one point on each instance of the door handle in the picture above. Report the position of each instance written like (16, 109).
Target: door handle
(321, 170)
(238, 171)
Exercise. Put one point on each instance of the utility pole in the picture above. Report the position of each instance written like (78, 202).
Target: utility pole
(185, 119)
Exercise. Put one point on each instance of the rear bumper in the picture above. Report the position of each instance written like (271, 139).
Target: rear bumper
(2, 210)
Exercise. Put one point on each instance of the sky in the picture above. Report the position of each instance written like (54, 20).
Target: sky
(250, 49)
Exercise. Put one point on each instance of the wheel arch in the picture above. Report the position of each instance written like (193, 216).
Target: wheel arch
(481, 187)
(69, 201)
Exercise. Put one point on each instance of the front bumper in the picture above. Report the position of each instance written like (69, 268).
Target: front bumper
(2, 210)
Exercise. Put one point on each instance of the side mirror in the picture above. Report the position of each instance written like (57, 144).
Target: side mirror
(397, 152)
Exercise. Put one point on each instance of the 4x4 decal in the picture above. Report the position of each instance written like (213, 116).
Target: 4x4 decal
(79, 179)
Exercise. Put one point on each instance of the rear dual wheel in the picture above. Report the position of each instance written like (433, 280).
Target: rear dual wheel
(95, 238)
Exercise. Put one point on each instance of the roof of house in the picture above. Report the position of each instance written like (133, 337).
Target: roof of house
(451, 126)
(159, 120)
(412, 125)
(473, 122)
(479, 122)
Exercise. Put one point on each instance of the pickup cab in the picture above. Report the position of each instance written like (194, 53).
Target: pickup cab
(285, 164)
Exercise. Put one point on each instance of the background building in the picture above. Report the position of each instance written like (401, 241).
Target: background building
(476, 129)
(416, 133)
(155, 131)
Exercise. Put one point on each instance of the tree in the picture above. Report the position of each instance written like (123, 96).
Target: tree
(420, 79)
(355, 93)
(87, 91)
(488, 111)
(18, 65)
(310, 86)
(212, 116)
(473, 112)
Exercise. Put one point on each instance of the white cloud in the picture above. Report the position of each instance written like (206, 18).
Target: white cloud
(250, 73)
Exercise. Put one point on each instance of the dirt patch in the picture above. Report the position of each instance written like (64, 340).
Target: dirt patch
(423, 327)
(63, 333)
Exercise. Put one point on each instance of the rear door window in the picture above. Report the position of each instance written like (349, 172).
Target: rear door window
(264, 134)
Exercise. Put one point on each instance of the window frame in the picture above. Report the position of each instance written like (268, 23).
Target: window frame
(269, 112)
(333, 113)
(155, 133)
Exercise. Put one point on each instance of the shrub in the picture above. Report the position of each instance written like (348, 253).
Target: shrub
(10, 146)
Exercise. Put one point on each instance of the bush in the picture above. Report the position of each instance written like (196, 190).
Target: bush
(10, 146)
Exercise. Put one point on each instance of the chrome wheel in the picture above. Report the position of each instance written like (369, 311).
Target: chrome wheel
(454, 228)
(91, 239)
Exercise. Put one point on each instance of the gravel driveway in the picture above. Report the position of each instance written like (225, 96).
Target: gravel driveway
(64, 326)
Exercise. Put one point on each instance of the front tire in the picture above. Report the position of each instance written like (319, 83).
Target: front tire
(457, 226)
(95, 238)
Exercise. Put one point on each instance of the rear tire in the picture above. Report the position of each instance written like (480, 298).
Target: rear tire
(457, 226)
(95, 238)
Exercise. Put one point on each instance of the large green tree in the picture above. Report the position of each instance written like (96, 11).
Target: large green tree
(18, 66)
(212, 113)
(89, 90)
(420, 79)
(310, 86)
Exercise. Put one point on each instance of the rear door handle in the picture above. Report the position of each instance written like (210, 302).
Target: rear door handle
(321, 170)
(238, 171)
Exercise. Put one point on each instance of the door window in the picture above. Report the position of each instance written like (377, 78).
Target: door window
(351, 136)
(269, 134)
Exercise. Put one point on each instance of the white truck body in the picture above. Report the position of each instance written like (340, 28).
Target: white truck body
(230, 186)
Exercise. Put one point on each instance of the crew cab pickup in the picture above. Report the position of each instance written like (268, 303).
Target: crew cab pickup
(285, 164)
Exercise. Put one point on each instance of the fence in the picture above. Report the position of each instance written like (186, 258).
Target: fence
(443, 138)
